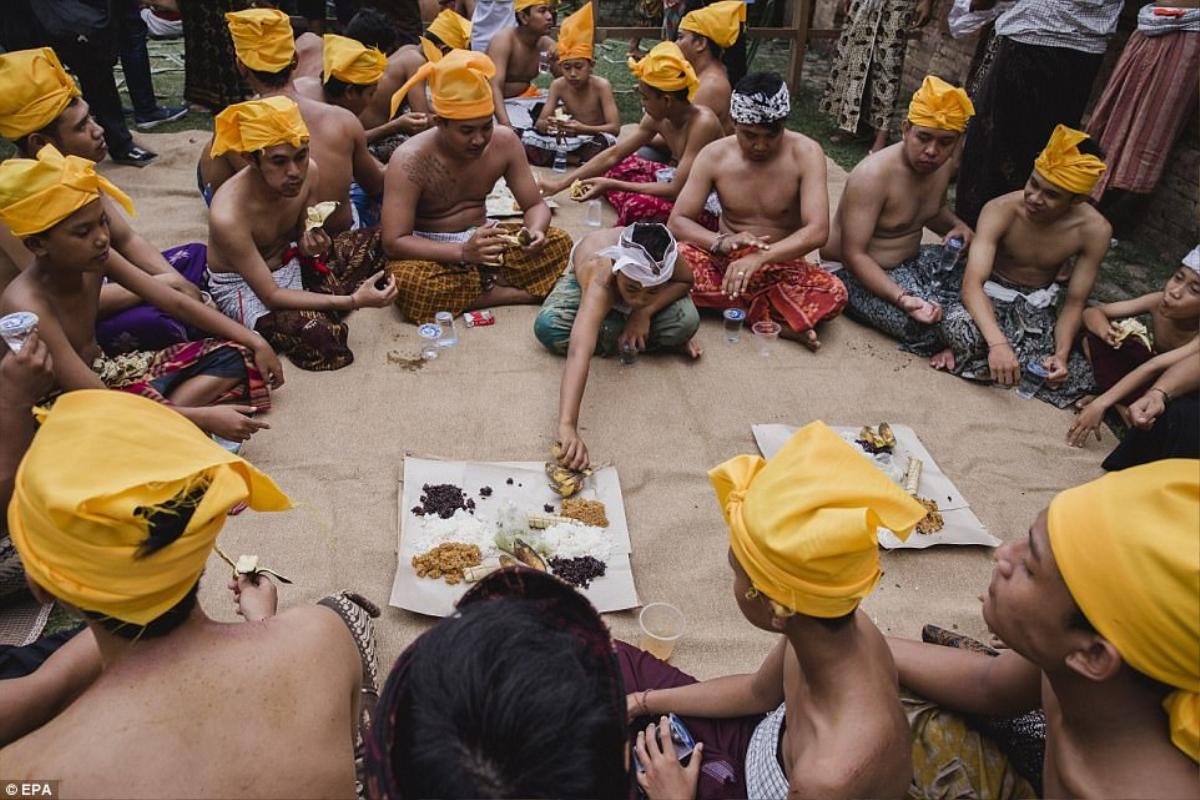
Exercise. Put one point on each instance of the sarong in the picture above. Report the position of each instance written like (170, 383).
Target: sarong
(864, 79)
(155, 374)
(541, 149)
(634, 207)
(146, 327)
(366, 208)
(312, 340)
(1027, 320)
(427, 287)
(1028, 90)
(670, 328)
(793, 293)
(1175, 434)
(211, 78)
(726, 741)
(524, 109)
(1111, 364)
(916, 277)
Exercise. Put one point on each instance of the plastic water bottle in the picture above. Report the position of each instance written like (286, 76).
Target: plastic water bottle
(449, 336)
(951, 251)
(560, 159)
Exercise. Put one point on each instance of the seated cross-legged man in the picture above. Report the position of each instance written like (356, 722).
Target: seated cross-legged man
(272, 269)
(1099, 605)
(626, 289)
(117, 508)
(890, 197)
(40, 105)
(639, 189)
(703, 35)
(774, 211)
(517, 53)
(53, 205)
(580, 117)
(1009, 315)
(822, 716)
(446, 254)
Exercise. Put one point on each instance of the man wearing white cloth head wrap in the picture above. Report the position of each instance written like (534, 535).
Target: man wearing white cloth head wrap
(625, 289)
(757, 107)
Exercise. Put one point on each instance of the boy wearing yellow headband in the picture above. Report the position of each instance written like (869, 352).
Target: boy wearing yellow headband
(1100, 604)
(704, 35)
(1009, 316)
(518, 54)
(639, 189)
(350, 75)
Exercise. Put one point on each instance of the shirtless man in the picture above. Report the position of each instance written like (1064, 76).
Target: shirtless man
(630, 183)
(517, 54)
(448, 255)
(834, 726)
(338, 143)
(1007, 317)
(349, 78)
(1098, 604)
(774, 211)
(703, 35)
(263, 256)
(890, 197)
(185, 705)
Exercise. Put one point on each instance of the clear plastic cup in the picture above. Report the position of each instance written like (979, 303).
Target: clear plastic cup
(16, 327)
(734, 317)
(766, 333)
(662, 625)
(445, 321)
(429, 334)
(628, 356)
(595, 213)
(1032, 378)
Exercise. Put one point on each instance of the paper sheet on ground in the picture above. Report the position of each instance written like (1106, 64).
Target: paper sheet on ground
(961, 524)
(501, 203)
(530, 491)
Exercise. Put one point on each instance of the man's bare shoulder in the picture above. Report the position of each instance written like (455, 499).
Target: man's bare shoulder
(1092, 223)
(310, 86)
(803, 146)
(502, 41)
(1002, 209)
(229, 205)
(707, 124)
(719, 151)
(873, 168)
(415, 148)
(599, 84)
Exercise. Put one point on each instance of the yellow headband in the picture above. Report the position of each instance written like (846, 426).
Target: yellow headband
(939, 105)
(1128, 548)
(258, 124)
(1062, 164)
(102, 467)
(350, 61)
(576, 33)
(458, 83)
(665, 68)
(521, 5)
(262, 38)
(721, 22)
(34, 90)
(803, 525)
(452, 29)
(37, 194)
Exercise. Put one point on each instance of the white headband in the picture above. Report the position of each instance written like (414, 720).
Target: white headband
(758, 109)
(631, 258)
(1192, 259)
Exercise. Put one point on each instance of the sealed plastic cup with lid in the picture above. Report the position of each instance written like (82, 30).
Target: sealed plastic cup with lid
(429, 334)
(16, 327)
(734, 317)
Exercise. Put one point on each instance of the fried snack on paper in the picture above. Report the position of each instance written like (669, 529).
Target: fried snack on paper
(932, 522)
(589, 512)
(447, 561)
(316, 215)
(578, 190)
(877, 440)
(1131, 327)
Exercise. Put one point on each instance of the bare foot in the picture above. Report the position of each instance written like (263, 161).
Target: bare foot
(943, 360)
(1084, 401)
(693, 349)
(808, 338)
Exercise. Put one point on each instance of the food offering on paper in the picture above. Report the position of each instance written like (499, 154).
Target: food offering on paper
(580, 571)
(316, 215)
(564, 481)
(932, 522)
(589, 512)
(877, 440)
(1131, 327)
(443, 500)
(447, 561)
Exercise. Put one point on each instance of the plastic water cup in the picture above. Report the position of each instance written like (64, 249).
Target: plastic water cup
(766, 333)
(1032, 378)
(662, 625)
(734, 317)
(628, 356)
(429, 334)
(16, 327)
(595, 213)
(445, 321)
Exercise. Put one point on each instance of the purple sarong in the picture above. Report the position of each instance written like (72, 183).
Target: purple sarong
(145, 327)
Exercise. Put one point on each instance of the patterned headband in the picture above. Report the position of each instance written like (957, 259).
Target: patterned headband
(758, 109)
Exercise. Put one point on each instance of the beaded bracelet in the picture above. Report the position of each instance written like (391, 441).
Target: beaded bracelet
(1163, 392)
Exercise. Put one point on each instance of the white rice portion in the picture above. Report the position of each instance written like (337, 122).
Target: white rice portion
(574, 540)
(463, 528)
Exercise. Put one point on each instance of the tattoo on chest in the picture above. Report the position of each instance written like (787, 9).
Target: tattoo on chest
(434, 178)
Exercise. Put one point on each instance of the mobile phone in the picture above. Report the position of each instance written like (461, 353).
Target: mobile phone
(681, 737)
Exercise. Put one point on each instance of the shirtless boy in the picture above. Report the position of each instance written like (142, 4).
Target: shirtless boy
(1007, 318)
(266, 58)
(889, 199)
(774, 211)
(448, 255)
(517, 54)
(630, 183)
(626, 290)
(266, 261)
(41, 105)
(349, 77)
(593, 120)
(834, 726)
(53, 205)
(1099, 606)
(184, 705)
(703, 35)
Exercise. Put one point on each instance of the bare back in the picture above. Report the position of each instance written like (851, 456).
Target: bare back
(762, 197)
(400, 66)
(715, 92)
(331, 143)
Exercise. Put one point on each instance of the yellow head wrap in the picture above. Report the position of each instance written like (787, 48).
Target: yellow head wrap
(454, 31)
(262, 38)
(350, 61)
(37, 194)
(803, 525)
(99, 468)
(459, 85)
(721, 22)
(1062, 164)
(576, 33)
(1128, 547)
(258, 124)
(940, 105)
(34, 90)
(665, 68)
(521, 5)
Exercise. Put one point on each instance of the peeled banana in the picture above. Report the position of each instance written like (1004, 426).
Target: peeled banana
(1131, 327)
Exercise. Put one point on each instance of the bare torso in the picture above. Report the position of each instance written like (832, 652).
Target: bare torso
(274, 221)
(714, 91)
(1031, 254)
(523, 59)
(401, 64)
(452, 193)
(73, 303)
(583, 103)
(762, 198)
(331, 145)
(1170, 333)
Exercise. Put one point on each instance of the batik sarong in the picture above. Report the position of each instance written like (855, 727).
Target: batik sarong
(634, 207)
(1026, 315)
(793, 293)
(427, 287)
(864, 78)
(541, 148)
(1111, 364)
(146, 327)
(155, 374)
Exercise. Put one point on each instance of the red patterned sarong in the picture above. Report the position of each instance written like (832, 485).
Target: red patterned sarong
(138, 372)
(634, 207)
(793, 293)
